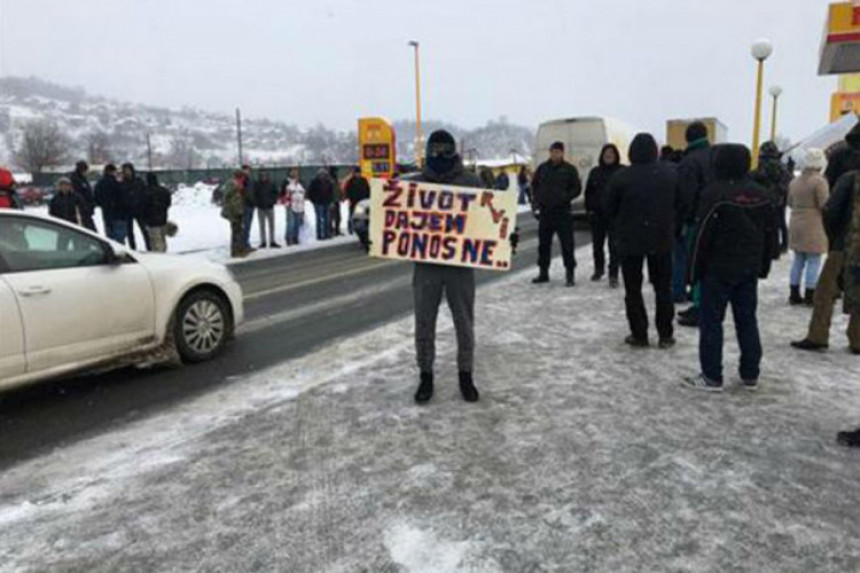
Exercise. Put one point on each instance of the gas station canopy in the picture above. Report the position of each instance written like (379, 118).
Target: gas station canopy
(840, 51)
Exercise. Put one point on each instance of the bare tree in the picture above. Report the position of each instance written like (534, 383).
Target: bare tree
(41, 144)
(182, 154)
(98, 147)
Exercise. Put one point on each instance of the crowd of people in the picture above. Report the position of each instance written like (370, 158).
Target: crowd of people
(246, 197)
(707, 223)
(123, 198)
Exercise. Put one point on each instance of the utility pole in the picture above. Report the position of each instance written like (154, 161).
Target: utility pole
(239, 134)
(419, 139)
(149, 151)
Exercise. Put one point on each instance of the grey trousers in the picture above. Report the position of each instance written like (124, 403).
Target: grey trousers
(266, 218)
(429, 282)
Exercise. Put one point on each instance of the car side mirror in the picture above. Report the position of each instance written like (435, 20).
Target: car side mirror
(117, 254)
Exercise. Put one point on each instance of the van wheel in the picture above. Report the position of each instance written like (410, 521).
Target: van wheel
(201, 327)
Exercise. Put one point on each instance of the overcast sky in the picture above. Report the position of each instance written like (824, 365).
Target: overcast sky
(331, 61)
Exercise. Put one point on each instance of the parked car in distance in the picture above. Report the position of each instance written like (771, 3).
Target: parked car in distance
(72, 301)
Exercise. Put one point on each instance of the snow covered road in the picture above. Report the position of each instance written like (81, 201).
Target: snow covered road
(583, 455)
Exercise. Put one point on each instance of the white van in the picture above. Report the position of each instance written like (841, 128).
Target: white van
(583, 138)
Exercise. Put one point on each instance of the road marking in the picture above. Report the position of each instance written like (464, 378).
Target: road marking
(320, 279)
(273, 319)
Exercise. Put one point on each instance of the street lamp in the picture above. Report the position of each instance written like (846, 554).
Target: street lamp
(775, 92)
(761, 50)
(418, 135)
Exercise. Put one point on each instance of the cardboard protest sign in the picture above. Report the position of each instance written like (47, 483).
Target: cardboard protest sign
(442, 224)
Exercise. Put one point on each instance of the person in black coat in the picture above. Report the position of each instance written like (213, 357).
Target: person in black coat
(357, 189)
(67, 204)
(642, 203)
(775, 177)
(109, 195)
(156, 203)
(695, 172)
(134, 191)
(555, 185)
(82, 187)
(334, 218)
(265, 198)
(598, 181)
(732, 251)
(321, 194)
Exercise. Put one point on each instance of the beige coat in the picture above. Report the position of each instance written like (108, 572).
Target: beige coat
(807, 196)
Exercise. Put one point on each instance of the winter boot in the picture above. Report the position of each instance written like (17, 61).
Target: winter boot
(467, 387)
(613, 282)
(425, 389)
(690, 319)
(597, 276)
(809, 296)
(849, 439)
(636, 342)
(794, 299)
(807, 344)
(569, 281)
(543, 277)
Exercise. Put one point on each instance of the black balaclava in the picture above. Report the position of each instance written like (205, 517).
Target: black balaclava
(441, 152)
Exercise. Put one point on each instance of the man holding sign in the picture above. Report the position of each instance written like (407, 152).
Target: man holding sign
(443, 222)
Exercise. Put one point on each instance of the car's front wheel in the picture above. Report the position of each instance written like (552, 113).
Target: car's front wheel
(201, 327)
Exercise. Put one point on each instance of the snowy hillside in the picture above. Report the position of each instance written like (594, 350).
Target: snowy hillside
(100, 130)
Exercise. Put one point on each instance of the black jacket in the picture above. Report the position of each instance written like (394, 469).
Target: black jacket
(110, 196)
(357, 189)
(642, 202)
(773, 176)
(555, 185)
(737, 232)
(70, 207)
(134, 192)
(458, 176)
(839, 209)
(265, 194)
(695, 172)
(598, 181)
(157, 201)
(842, 160)
(321, 190)
(82, 187)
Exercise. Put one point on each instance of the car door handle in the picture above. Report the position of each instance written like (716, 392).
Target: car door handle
(34, 291)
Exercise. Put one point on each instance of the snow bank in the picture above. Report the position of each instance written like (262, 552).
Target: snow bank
(197, 195)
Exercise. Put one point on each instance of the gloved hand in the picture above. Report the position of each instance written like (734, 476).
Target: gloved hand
(515, 240)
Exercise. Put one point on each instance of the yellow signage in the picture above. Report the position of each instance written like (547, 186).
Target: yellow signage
(839, 50)
(377, 148)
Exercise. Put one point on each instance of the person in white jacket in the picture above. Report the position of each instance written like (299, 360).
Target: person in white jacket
(293, 199)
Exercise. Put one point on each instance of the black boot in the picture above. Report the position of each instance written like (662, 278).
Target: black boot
(794, 299)
(807, 344)
(809, 297)
(425, 389)
(613, 282)
(467, 387)
(597, 276)
(569, 278)
(690, 318)
(542, 278)
(849, 439)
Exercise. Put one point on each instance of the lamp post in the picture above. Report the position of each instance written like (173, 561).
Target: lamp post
(775, 92)
(761, 50)
(418, 135)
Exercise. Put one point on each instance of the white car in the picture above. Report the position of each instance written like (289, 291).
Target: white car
(72, 301)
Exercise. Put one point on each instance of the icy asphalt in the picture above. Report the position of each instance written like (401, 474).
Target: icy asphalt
(583, 455)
